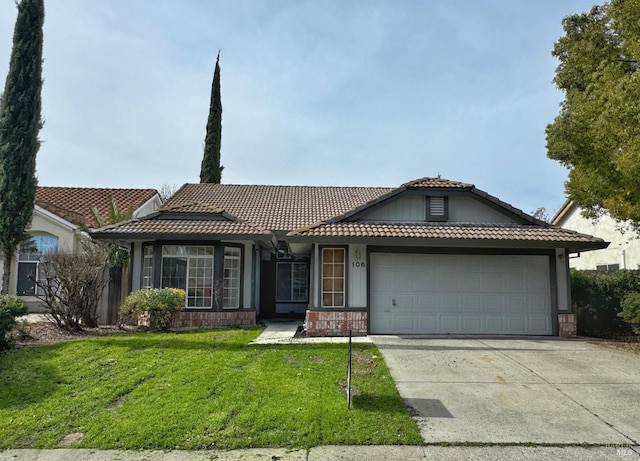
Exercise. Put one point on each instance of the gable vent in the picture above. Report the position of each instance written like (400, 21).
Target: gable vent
(436, 206)
(437, 209)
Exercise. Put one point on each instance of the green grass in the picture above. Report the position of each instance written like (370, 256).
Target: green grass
(196, 390)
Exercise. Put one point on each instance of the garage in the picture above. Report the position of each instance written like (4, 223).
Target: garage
(457, 293)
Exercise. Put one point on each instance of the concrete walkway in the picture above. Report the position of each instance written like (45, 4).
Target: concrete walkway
(283, 332)
(331, 453)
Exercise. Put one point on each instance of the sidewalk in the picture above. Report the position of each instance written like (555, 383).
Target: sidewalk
(334, 453)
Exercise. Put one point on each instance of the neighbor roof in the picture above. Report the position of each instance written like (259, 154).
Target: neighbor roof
(75, 203)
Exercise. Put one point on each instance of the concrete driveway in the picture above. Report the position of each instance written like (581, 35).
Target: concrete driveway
(517, 390)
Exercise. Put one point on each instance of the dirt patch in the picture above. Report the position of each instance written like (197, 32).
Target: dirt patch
(627, 343)
(48, 333)
(72, 439)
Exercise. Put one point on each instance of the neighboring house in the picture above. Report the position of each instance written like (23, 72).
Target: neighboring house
(431, 256)
(58, 216)
(622, 253)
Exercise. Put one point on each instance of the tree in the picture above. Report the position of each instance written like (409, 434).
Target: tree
(116, 255)
(20, 123)
(211, 171)
(596, 135)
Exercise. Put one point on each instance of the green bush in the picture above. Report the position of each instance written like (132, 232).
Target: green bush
(597, 297)
(10, 308)
(631, 310)
(159, 303)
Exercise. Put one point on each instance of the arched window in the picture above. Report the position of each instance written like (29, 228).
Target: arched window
(29, 258)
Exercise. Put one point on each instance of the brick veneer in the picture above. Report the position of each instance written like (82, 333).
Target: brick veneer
(186, 319)
(567, 325)
(328, 323)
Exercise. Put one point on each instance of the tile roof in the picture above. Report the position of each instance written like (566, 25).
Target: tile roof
(278, 208)
(436, 183)
(147, 228)
(457, 231)
(75, 203)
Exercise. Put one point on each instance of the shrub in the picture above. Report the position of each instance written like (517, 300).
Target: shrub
(158, 303)
(597, 298)
(10, 308)
(72, 286)
(631, 310)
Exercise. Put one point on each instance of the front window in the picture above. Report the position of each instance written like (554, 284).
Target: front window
(293, 285)
(29, 263)
(333, 277)
(231, 280)
(147, 267)
(189, 268)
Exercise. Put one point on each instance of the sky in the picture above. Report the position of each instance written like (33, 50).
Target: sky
(318, 92)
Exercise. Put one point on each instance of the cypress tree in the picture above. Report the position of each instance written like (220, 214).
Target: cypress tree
(211, 171)
(20, 123)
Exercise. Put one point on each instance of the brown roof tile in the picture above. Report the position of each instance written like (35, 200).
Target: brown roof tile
(511, 232)
(75, 203)
(436, 183)
(185, 227)
(279, 208)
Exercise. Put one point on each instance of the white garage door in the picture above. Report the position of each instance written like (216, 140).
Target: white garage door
(481, 294)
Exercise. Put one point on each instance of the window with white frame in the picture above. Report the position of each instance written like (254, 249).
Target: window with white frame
(29, 263)
(231, 278)
(333, 277)
(190, 268)
(147, 267)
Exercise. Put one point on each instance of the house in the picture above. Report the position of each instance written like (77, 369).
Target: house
(623, 251)
(431, 256)
(58, 218)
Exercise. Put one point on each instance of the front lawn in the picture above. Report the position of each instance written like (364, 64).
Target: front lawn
(207, 389)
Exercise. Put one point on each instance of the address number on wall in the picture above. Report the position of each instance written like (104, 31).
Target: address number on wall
(358, 264)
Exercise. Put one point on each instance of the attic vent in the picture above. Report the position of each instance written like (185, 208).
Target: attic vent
(437, 209)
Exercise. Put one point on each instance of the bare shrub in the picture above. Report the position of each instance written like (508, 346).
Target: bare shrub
(72, 286)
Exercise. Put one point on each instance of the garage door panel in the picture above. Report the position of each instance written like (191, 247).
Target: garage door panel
(460, 294)
(427, 302)
(472, 323)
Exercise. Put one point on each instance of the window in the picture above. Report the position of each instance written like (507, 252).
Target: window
(231, 278)
(608, 267)
(333, 277)
(189, 268)
(147, 267)
(437, 209)
(29, 259)
(293, 282)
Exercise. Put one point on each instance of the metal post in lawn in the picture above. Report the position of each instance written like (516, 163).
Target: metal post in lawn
(349, 375)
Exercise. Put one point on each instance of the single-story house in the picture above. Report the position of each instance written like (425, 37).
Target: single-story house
(59, 215)
(623, 251)
(431, 256)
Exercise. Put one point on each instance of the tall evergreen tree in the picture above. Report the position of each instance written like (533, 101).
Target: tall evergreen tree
(211, 171)
(20, 123)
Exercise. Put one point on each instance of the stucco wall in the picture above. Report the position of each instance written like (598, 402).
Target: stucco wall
(624, 248)
(44, 223)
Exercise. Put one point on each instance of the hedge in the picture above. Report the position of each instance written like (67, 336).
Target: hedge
(597, 298)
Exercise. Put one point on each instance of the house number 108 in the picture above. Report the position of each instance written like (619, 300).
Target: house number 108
(358, 264)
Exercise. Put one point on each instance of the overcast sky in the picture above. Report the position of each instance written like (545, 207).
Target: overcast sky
(365, 93)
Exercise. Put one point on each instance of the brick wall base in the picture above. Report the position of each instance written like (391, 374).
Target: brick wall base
(567, 325)
(186, 319)
(327, 323)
